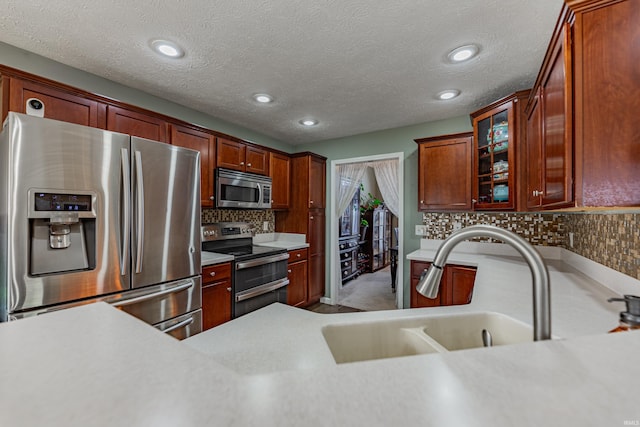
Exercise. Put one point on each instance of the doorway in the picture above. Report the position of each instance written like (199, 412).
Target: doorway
(335, 283)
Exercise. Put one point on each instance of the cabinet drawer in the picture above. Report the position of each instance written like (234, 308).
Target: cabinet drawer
(216, 273)
(297, 255)
(417, 267)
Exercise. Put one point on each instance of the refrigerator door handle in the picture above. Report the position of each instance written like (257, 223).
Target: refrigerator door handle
(185, 285)
(126, 212)
(140, 212)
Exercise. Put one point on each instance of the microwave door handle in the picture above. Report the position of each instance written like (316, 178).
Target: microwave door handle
(140, 212)
(259, 193)
(126, 210)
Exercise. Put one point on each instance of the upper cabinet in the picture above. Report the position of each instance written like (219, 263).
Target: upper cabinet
(242, 157)
(582, 115)
(204, 142)
(549, 168)
(498, 130)
(25, 96)
(280, 172)
(136, 124)
(444, 172)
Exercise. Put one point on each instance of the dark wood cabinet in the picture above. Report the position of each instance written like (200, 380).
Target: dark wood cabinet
(498, 130)
(444, 172)
(582, 115)
(203, 142)
(242, 157)
(456, 286)
(54, 103)
(549, 166)
(136, 124)
(216, 295)
(305, 217)
(297, 274)
(280, 172)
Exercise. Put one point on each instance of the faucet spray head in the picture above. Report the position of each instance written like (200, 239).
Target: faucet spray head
(429, 283)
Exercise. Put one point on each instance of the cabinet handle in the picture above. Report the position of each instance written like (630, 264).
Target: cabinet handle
(228, 289)
(210, 197)
(248, 165)
(289, 271)
(474, 201)
(213, 273)
(298, 255)
(537, 193)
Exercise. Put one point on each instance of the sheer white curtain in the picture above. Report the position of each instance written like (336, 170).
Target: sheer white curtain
(386, 172)
(349, 176)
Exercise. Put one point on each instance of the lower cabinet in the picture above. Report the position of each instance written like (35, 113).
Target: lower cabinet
(216, 295)
(297, 274)
(456, 286)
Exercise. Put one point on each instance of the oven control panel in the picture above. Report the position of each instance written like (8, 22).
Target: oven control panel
(227, 230)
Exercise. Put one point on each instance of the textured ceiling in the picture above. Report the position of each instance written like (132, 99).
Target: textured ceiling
(356, 66)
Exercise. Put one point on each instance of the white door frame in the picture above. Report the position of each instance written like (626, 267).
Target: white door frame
(333, 224)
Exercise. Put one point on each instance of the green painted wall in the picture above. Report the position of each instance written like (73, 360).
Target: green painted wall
(23, 60)
(391, 141)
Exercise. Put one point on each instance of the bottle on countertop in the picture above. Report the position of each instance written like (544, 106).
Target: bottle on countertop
(630, 319)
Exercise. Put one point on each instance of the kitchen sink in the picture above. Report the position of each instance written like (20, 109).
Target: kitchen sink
(355, 342)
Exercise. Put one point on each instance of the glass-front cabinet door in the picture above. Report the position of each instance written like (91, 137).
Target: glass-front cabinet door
(494, 165)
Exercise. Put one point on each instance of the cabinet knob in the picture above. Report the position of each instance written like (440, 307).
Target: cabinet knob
(422, 202)
(298, 255)
(210, 197)
(241, 163)
(474, 201)
(537, 193)
(289, 271)
(310, 217)
(228, 289)
(213, 273)
(248, 165)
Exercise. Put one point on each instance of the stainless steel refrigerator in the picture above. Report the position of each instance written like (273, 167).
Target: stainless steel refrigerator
(89, 215)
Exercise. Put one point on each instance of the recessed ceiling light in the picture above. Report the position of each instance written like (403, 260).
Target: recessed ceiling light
(263, 98)
(308, 122)
(463, 53)
(167, 48)
(448, 94)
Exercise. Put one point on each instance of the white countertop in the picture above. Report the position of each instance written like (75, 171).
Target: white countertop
(288, 241)
(210, 258)
(94, 365)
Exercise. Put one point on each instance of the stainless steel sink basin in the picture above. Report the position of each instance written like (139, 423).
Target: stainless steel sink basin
(433, 334)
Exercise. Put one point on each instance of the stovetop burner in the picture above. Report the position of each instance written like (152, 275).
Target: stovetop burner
(234, 238)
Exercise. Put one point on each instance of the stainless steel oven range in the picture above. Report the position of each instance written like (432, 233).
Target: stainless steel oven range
(259, 272)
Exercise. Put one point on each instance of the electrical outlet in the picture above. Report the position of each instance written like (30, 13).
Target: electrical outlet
(265, 225)
(457, 226)
(421, 230)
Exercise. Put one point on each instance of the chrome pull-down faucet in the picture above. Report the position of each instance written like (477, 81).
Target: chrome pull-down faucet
(429, 283)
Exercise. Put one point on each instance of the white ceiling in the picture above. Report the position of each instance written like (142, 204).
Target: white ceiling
(355, 65)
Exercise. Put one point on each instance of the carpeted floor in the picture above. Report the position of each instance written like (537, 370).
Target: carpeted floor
(369, 292)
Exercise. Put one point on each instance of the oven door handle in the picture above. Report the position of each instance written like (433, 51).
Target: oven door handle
(262, 289)
(261, 261)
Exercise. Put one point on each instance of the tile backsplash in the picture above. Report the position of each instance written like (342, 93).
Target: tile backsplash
(611, 239)
(254, 216)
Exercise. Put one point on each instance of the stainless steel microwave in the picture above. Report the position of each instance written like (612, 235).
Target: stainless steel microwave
(242, 190)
